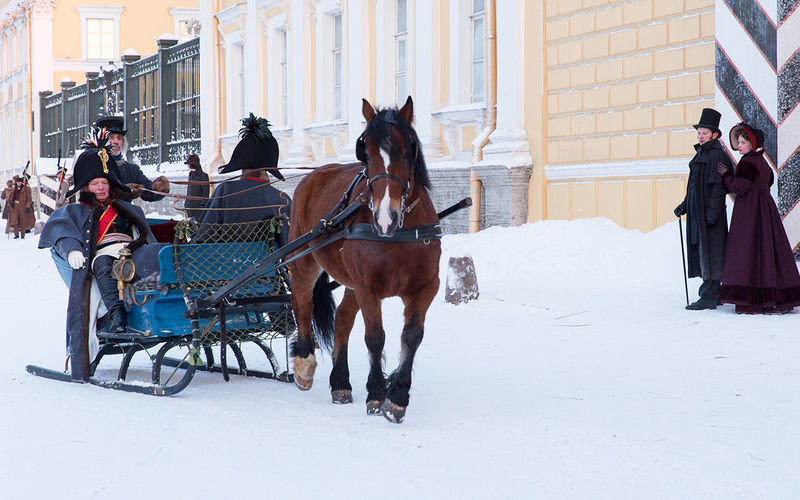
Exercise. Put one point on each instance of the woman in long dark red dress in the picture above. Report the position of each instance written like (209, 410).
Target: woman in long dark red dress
(760, 273)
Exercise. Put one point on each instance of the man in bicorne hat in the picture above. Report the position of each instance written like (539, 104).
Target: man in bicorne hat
(704, 207)
(252, 197)
(127, 172)
(89, 236)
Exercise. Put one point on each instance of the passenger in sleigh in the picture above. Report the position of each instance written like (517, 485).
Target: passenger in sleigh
(89, 235)
(250, 198)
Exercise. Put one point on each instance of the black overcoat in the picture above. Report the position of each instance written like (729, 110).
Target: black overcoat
(199, 190)
(131, 173)
(706, 216)
(75, 227)
(248, 200)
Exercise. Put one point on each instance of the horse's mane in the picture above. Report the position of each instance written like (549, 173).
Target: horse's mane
(379, 131)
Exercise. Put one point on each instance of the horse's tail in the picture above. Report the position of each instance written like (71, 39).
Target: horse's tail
(322, 320)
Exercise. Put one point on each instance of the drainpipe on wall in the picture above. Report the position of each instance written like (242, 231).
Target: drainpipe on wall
(491, 114)
(218, 160)
(34, 172)
(491, 82)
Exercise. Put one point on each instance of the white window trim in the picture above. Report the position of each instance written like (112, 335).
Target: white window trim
(99, 12)
(472, 18)
(232, 44)
(179, 14)
(276, 26)
(325, 11)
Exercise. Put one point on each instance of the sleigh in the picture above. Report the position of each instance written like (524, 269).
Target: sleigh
(172, 326)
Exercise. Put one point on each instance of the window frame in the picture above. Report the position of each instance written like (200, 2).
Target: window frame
(99, 12)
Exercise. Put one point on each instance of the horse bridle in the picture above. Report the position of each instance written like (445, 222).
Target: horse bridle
(406, 188)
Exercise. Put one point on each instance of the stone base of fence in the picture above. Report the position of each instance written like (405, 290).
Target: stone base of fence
(504, 194)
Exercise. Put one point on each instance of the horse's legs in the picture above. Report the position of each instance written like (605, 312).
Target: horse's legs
(399, 384)
(341, 390)
(305, 362)
(374, 337)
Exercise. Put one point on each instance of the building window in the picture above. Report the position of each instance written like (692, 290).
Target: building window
(183, 31)
(478, 49)
(400, 37)
(240, 75)
(100, 39)
(284, 37)
(337, 66)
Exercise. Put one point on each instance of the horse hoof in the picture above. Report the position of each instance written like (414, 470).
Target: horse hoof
(374, 407)
(302, 384)
(304, 371)
(342, 396)
(393, 413)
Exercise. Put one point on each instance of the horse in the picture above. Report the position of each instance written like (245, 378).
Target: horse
(397, 187)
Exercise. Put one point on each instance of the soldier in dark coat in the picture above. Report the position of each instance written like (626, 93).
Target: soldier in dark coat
(251, 198)
(760, 273)
(127, 172)
(89, 236)
(20, 212)
(199, 190)
(704, 206)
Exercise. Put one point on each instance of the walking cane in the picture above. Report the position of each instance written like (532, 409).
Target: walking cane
(683, 258)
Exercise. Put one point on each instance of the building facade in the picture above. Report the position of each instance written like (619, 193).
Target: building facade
(46, 42)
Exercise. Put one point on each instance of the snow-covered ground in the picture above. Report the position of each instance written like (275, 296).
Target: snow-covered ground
(576, 374)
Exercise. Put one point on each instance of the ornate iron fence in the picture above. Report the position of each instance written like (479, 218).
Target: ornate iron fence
(159, 97)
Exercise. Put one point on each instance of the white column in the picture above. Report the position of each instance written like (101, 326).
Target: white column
(456, 27)
(426, 75)
(41, 51)
(382, 62)
(208, 89)
(298, 86)
(508, 144)
(352, 98)
(251, 63)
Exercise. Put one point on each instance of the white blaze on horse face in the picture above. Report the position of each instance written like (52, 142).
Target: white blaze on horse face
(384, 219)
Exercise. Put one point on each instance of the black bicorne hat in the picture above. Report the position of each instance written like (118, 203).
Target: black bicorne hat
(755, 135)
(95, 162)
(114, 124)
(709, 119)
(257, 148)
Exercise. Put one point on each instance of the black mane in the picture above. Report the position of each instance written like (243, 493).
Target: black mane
(379, 131)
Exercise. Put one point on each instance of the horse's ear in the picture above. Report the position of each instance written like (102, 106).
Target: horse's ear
(367, 110)
(407, 111)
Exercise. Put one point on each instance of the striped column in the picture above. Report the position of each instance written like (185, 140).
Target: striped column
(758, 81)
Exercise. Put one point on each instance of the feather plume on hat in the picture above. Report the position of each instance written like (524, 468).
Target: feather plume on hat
(97, 138)
(255, 126)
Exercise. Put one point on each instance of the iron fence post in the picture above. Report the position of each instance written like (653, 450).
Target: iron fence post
(91, 101)
(44, 125)
(65, 85)
(130, 94)
(163, 85)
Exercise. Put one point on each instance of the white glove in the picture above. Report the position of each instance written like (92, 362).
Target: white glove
(76, 259)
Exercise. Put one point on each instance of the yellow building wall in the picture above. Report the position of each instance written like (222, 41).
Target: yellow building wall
(625, 81)
(141, 23)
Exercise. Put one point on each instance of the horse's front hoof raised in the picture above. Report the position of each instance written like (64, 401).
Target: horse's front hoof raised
(304, 369)
(342, 396)
(393, 413)
(374, 407)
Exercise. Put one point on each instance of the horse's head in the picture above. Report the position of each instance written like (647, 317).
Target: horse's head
(392, 153)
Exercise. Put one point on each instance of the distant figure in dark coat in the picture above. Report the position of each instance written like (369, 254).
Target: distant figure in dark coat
(127, 172)
(760, 273)
(6, 195)
(20, 212)
(255, 154)
(704, 205)
(196, 174)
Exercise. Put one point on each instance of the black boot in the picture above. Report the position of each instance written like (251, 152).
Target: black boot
(108, 290)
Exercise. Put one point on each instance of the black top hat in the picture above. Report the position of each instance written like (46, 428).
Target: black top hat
(709, 119)
(754, 135)
(114, 124)
(257, 148)
(95, 162)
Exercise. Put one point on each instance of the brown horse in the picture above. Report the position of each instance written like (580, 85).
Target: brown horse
(397, 188)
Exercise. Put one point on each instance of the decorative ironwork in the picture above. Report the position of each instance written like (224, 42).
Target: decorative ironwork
(159, 91)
